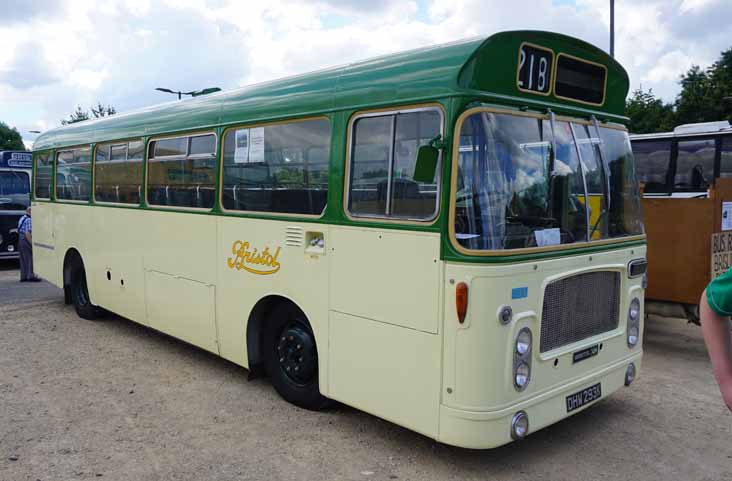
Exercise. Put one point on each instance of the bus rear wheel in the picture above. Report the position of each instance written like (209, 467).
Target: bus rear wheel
(291, 358)
(80, 296)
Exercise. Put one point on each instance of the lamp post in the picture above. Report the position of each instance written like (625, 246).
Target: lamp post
(612, 28)
(193, 93)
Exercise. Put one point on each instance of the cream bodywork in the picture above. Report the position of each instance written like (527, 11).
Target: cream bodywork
(380, 301)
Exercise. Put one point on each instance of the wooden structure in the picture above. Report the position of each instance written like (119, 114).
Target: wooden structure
(679, 234)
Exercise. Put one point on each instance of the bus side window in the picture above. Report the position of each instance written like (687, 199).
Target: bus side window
(652, 160)
(73, 174)
(725, 165)
(118, 172)
(43, 176)
(182, 172)
(281, 168)
(382, 163)
(695, 165)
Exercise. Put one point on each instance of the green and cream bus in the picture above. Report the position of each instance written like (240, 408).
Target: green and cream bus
(412, 235)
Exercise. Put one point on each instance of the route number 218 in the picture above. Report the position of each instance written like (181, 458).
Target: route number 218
(535, 69)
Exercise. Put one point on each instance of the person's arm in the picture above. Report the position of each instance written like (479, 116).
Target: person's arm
(29, 236)
(716, 330)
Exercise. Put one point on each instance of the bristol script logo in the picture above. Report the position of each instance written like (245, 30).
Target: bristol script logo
(250, 259)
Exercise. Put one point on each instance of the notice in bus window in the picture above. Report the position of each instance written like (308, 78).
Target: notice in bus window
(548, 237)
(256, 145)
(241, 154)
(726, 215)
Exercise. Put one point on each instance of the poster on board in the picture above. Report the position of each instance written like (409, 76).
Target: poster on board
(241, 153)
(721, 253)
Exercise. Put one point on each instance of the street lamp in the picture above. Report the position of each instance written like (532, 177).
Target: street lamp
(612, 28)
(193, 93)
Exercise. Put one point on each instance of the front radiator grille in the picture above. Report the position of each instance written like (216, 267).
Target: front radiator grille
(579, 307)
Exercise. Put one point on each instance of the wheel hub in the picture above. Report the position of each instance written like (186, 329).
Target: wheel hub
(296, 354)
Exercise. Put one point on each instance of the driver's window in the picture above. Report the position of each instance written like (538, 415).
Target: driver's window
(695, 165)
(382, 165)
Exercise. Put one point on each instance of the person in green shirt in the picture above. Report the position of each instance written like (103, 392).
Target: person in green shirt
(715, 308)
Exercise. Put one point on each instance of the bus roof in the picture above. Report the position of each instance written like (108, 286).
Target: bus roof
(466, 68)
(15, 159)
(689, 130)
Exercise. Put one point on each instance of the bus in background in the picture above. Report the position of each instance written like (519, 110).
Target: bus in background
(448, 238)
(15, 186)
(686, 177)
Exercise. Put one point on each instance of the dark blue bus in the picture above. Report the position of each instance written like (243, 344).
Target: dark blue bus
(15, 185)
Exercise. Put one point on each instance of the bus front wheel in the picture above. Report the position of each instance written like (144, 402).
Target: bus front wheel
(292, 358)
(80, 295)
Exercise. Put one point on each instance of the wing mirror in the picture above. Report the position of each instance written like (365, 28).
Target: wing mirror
(425, 168)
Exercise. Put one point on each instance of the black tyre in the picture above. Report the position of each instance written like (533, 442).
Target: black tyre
(80, 296)
(291, 358)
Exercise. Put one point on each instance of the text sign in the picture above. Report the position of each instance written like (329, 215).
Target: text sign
(535, 69)
(721, 253)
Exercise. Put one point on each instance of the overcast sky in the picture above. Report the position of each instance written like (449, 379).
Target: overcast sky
(60, 54)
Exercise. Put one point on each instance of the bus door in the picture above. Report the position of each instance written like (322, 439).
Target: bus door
(385, 273)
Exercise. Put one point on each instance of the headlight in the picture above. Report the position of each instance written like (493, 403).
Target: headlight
(633, 329)
(522, 359)
(523, 342)
(523, 371)
(519, 425)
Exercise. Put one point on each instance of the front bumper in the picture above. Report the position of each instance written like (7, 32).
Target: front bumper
(490, 429)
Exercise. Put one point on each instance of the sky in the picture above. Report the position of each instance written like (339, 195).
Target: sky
(57, 55)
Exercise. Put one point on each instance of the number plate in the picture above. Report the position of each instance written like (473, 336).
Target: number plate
(535, 69)
(583, 397)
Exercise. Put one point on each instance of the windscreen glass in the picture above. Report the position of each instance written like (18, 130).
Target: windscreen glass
(14, 190)
(522, 184)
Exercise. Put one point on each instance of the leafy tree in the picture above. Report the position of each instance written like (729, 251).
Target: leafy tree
(102, 110)
(10, 139)
(97, 111)
(648, 113)
(694, 102)
(78, 116)
(705, 96)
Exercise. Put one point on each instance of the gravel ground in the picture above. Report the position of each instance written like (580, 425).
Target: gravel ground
(115, 400)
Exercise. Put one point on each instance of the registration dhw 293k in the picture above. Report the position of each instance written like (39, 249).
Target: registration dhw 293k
(583, 397)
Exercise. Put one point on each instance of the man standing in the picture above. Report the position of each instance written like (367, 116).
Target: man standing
(25, 229)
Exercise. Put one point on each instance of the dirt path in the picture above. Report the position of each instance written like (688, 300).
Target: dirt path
(114, 400)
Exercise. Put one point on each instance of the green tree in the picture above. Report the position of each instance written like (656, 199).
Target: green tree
(102, 110)
(78, 116)
(695, 101)
(648, 113)
(97, 111)
(704, 93)
(10, 139)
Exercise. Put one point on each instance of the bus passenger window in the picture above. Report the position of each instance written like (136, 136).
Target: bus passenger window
(383, 160)
(695, 165)
(43, 176)
(725, 165)
(277, 168)
(118, 172)
(182, 171)
(652, 161)
(73, 174)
